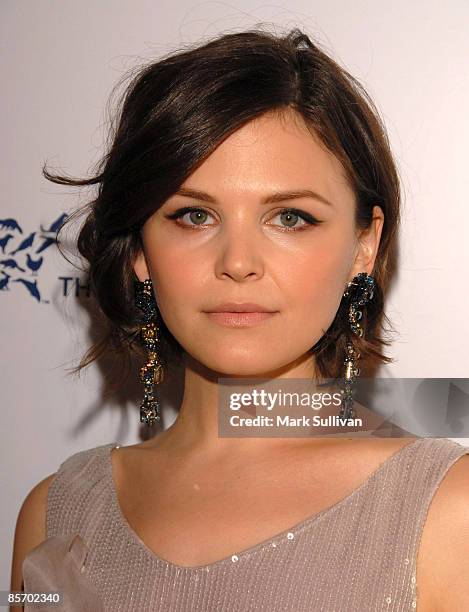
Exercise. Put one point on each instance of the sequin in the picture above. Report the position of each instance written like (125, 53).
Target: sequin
(388, 599)
(413, 579)
(274, 544)
(234, 558)
(290, 535)
(154, 579)
(407, 561)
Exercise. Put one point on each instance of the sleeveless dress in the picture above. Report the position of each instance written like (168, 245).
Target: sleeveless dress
(358, 555)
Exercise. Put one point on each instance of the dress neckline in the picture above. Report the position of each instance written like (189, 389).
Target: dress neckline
(273, 541)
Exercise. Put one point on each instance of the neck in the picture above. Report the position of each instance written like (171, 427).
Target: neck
(196, 429)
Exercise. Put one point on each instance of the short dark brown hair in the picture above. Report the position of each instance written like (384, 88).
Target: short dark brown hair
(174, 113)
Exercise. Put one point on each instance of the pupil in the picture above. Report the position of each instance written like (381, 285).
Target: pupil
(197, 214)
(290, 216)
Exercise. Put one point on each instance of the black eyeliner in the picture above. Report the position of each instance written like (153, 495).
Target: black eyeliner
(300, 213)
(304, 215)
(182, 211)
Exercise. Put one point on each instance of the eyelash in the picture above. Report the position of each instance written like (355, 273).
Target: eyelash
(310, 220)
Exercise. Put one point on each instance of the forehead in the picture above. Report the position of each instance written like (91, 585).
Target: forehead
(276, 151)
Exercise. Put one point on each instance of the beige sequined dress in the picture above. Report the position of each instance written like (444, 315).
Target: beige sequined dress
(358, 555)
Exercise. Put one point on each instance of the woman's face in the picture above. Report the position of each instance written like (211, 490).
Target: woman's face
(240, 248)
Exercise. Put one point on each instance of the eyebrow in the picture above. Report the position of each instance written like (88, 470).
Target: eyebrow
(278, 196)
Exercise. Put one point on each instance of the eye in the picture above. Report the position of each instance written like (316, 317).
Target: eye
(292, 215)
(197, 217)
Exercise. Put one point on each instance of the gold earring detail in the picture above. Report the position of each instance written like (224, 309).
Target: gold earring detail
(359, 291)
(151, 373)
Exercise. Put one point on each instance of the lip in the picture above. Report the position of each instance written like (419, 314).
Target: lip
(239, 319)
(240, 307)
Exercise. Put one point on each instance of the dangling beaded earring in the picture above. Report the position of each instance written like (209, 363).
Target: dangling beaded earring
(152, 372)
(360, 291)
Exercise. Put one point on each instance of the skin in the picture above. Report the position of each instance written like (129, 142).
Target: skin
(249, 489)
(242, 250)
(242, 254)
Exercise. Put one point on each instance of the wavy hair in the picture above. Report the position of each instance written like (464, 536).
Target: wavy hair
(174, 112)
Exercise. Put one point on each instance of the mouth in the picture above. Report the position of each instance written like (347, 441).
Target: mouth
(239, 319)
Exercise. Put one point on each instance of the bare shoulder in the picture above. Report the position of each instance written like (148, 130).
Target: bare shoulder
(443, 556)
(30, 528)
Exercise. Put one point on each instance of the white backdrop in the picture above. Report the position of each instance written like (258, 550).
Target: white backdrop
(59, 62)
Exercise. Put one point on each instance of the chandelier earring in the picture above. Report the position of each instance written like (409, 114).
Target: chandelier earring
(359, 291)
(151, 373)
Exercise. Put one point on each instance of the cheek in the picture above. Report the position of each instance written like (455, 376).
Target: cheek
(178, 281)
(307, 282)
(315, 285)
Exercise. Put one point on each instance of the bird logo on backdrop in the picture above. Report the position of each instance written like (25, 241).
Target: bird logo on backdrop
(21, 258)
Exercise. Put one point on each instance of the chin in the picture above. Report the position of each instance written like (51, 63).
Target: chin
(247, 365)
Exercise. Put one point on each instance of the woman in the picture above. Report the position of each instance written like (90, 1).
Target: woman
(248, 170)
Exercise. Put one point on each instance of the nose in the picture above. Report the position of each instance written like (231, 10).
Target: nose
(239, 255)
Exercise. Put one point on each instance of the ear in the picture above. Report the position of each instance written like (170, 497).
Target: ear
(140, 266)
(368, 243)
